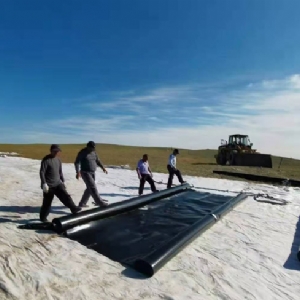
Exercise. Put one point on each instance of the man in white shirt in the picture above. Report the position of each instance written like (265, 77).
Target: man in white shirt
(145, 174)
(172, 169)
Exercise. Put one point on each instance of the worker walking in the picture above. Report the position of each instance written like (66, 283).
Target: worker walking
(86, 164)
(173, 170)
(52, 183)
(145, 174)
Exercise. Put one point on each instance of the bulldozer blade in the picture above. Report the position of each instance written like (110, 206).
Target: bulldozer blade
(253, 160)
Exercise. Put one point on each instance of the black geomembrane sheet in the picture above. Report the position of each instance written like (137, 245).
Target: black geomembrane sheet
(132, 235)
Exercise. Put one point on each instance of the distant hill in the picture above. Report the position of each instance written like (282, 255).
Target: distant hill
(190, 162)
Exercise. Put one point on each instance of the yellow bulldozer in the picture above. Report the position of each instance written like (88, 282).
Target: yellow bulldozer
(238, 152)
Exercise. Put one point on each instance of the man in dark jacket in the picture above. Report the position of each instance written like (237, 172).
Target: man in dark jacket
(52, 183)
(86, 164)
(173, 170)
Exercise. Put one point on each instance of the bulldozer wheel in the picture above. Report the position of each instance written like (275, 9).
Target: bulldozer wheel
(231, 159)
(221, 160)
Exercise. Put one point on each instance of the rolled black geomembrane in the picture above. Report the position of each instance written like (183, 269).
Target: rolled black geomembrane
(155, 260)
(69, 221)
(146, 238)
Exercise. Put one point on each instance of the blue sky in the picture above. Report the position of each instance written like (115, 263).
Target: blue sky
(161, 73)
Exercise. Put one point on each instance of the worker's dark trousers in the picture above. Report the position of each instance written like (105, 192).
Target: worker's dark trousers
(148, 178)
(173, 172)
(91, 189)
(61, 193)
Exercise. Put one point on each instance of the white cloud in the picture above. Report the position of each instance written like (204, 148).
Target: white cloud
(269, 112)
(292, 82)
(88, 124)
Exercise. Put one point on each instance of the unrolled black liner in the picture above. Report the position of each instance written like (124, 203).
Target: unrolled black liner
(147, 239)
(146, 232)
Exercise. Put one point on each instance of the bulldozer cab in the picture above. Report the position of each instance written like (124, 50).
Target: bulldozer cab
(239, 139)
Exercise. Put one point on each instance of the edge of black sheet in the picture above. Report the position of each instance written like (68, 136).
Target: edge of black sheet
(64, 223)
(260, 178)
(157, 259)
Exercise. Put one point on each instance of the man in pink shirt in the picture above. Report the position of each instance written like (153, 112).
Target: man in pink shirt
(145, 174)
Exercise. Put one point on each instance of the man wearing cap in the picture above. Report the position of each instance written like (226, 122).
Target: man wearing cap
(172, 169)
(145, 174)
(86, 164)
(52, 183)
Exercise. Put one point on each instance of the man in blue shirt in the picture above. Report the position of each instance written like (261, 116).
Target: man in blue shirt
(145, 174)
(173, 170)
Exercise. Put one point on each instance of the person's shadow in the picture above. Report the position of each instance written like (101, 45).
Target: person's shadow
(134, 188)
(20, 210)
(29, 224)
(31, 209)
(116, 195)
(292, 262)
(16, 220)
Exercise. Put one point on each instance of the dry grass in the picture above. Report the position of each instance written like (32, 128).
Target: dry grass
(190, 162)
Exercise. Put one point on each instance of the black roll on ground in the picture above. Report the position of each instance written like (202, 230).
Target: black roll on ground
(145, 238)
(62, 224)
(261, 178)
